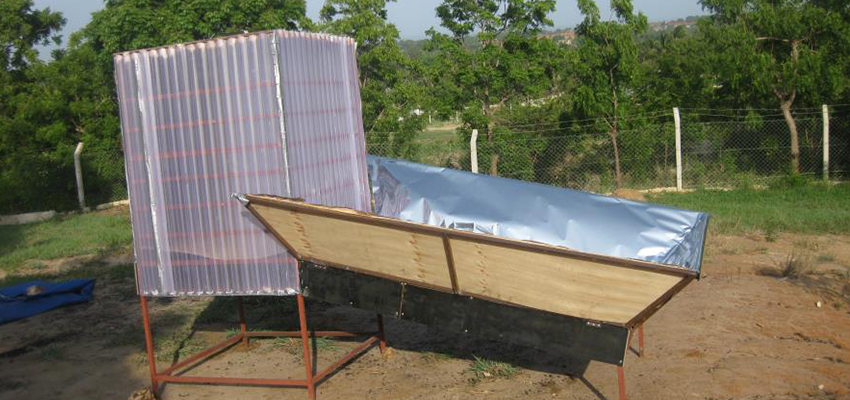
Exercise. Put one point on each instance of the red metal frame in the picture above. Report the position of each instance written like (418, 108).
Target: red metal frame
(172, 373)
(621, 377)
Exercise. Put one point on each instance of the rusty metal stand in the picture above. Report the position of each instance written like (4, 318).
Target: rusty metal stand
(621, 377)
(173, 373)
(640, 351)
(621, 382)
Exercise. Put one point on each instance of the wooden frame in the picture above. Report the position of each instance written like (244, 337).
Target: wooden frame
(616, 291)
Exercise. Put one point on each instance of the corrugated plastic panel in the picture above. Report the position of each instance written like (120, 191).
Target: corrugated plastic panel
(324, 127)
(204, 120)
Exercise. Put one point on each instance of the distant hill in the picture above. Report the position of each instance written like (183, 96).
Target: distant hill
(416, 48)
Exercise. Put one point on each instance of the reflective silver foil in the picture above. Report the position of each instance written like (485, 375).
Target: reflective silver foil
(521, 210)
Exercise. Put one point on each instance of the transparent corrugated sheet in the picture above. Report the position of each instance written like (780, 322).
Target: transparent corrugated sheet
(272, 112)
(582, 221)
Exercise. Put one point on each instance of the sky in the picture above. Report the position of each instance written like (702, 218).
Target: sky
(412, 17)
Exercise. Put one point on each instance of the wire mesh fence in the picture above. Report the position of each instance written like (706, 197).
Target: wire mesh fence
(719, 154)
(103, 176)
(33, 181)
(722, 154)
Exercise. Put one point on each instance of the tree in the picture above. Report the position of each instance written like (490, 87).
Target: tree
(784, 49)
(134, 24)
(607, 68)
(21, 29)
(390, 87)
(507, 62)
(675, 71)
(25, 116)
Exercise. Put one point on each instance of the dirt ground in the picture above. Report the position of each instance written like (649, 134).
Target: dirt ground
(742, 332)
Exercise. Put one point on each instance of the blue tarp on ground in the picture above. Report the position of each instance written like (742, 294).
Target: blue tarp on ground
(15, 304)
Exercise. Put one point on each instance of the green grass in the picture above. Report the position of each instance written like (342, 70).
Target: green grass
(810, 208)
(445, 135)
(72, 235)
(482, 368)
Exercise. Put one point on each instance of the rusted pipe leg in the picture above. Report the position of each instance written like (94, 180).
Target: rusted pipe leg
(305, 341)
(381, 332)
(242, 325)
(640, 340)
(621, 381)
(146, 323)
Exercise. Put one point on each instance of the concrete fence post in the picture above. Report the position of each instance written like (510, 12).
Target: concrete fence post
(473, 150)
(825, 142)
(678, 121)
(78, 169)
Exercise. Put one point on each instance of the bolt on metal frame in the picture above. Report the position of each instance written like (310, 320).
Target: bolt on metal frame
(173, 373)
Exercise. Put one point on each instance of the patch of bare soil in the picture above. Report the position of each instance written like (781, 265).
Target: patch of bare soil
(745, 331)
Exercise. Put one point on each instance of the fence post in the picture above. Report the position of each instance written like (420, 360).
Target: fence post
(78, 169)
(677, 119)
(473, 150)
(825, 142)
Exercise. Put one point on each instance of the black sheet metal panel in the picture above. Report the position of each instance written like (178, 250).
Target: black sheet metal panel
(337, 286)
(575, 337)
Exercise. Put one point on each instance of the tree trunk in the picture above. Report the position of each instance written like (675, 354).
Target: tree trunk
(618, 175)
(615, 128)
(795, 139)
(494, 155)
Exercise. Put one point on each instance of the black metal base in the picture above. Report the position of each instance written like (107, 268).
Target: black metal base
(576, 337)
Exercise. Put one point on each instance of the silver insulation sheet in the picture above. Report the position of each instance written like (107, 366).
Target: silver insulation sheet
(521, 210)
(272, 112)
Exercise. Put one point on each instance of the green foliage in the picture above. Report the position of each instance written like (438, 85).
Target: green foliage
(606, 69)
(133, 24)
(23, 28)
(509, 63)
(782, 53)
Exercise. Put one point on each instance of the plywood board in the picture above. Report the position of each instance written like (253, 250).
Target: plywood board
(579, 288)
(410, 256)
(526, 274)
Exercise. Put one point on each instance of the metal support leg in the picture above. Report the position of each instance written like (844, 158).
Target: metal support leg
(621, 381)
(381, 332)
(146, 323)
(305, 340)
(242, 325)
(640, 340)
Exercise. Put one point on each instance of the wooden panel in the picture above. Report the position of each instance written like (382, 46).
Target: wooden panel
(534, 275)
(410, 256)
(579, 288)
